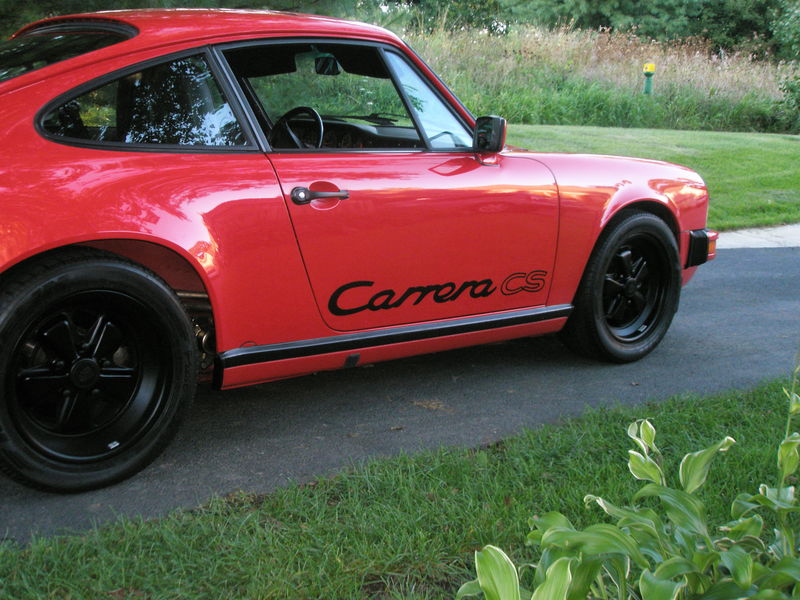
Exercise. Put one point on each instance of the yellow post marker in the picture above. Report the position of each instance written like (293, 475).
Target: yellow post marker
(649, 70)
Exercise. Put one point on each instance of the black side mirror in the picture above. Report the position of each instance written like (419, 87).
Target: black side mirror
(490, 135)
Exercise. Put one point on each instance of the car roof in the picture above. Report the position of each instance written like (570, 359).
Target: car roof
(158, 26)
(166, 30)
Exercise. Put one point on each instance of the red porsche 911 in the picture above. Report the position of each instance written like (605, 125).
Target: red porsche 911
(244, 196)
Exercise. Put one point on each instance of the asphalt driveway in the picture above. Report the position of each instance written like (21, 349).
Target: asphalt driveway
(739, 323)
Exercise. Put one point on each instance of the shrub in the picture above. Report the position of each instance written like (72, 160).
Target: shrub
(786, 30)
(790, 104)
(670, 554)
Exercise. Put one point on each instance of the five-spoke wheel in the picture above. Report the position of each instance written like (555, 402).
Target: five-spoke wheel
(629, 291)
(99, 367)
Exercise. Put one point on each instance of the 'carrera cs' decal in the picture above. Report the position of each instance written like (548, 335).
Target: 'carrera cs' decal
(341, 305)
(523, 282)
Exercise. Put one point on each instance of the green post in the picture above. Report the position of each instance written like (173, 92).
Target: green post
(649, 70)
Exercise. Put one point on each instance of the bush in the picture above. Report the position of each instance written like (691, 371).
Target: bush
(726, 24)
(652, 555)
(790, 105)
(786, 30)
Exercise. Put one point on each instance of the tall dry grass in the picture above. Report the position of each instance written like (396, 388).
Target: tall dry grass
(569, 76)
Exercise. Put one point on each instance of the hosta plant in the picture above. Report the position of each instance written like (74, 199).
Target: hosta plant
(661, 547)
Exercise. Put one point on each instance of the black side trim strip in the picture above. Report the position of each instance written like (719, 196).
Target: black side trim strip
(406, 333)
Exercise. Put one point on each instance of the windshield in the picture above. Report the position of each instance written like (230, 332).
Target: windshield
(36, 50)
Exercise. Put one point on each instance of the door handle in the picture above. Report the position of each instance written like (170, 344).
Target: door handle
(302, 195)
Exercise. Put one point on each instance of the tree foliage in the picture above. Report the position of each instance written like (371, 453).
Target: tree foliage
(786, 30)
(725, 22)
(762, 25)
(14, 14)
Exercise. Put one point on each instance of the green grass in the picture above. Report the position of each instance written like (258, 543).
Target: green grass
(753, 178)
(404, 527)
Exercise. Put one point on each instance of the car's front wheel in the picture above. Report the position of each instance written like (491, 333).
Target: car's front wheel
(98, 366)
(629, 291)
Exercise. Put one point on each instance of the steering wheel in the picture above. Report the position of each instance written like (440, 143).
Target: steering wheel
(282, 126)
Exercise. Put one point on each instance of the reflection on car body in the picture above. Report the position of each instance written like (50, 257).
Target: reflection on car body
(246, 196)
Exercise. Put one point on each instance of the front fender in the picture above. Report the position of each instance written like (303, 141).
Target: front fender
(594, 189)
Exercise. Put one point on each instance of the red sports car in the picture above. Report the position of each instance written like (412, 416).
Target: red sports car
(247, 196)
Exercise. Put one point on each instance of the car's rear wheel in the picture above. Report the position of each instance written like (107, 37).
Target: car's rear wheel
(98, 366)
(629, 291)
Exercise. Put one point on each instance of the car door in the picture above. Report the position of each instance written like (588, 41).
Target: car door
(397, 220)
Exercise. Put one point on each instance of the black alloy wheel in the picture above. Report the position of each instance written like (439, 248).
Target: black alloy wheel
(99, 368)
(87, 377)
(629, 292)
(634, 288)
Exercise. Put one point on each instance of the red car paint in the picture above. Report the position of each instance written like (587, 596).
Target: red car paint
(460, 226)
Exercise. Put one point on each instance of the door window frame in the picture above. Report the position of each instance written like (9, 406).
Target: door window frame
(261, 136)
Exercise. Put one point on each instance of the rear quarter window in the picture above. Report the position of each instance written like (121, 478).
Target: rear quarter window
(174, 103)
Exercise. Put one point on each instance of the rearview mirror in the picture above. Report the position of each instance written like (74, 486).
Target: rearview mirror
(490, 134)
(326, 64)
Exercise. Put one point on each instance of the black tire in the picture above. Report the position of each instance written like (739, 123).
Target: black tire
(98, 367)
(629, 292)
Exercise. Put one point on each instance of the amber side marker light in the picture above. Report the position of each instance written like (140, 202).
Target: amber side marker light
(713, 236)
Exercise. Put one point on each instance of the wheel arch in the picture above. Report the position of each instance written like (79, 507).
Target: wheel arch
(573, 258)
(654, 207)
(658, 209)
(187, 281)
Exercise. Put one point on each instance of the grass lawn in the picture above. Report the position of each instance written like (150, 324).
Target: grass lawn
(404, 527)
(754, 178)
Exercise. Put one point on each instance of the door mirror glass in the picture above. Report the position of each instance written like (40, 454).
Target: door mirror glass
(490, 134)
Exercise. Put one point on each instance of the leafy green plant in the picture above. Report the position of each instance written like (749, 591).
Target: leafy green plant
(671, 554)
(790, 103)
(786, 29)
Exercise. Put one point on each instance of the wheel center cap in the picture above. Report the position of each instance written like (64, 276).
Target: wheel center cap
(630, 287)
(84, 373)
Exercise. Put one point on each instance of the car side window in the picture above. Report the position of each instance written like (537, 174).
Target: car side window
(176, 103)
(345, 91)
(442, 128)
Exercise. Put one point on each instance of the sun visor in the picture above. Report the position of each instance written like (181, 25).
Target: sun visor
(261, 61)
(358, 60)
(276, 59)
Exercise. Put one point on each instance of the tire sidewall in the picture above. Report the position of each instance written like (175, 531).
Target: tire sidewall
(635, 225)
(43, 293)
